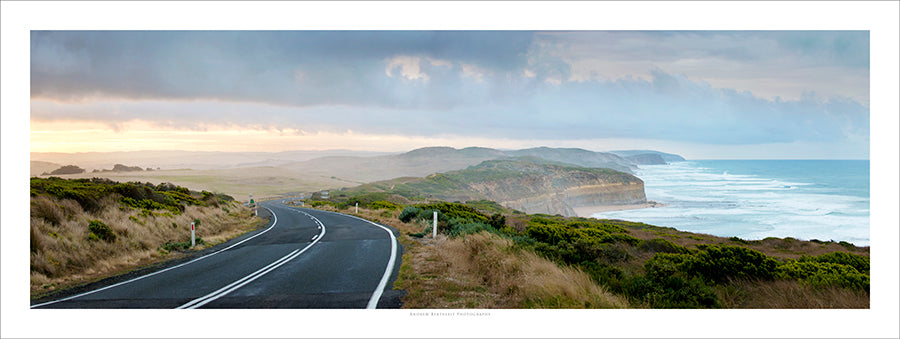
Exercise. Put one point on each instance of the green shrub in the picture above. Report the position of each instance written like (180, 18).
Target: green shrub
(100, 231)
(455, 210)
(547, 233)
(859, 262)
(497, 220)
(718, 263)
(170, 246)
(486, 205)
(609, 275)
(409, 213)
(383, 205)
(89, 193)
(821, 274)
(661, 245)
(666, 285)
(319, 203)
(620, 238)
(463, 229)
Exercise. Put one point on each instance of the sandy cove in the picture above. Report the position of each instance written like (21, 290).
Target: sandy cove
(587, 211)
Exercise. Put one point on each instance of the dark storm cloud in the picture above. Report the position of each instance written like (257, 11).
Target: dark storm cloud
(294, 68)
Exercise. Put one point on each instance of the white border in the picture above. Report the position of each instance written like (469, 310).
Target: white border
(878, 17)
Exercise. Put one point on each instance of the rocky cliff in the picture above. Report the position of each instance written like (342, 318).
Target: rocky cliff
(528, 185)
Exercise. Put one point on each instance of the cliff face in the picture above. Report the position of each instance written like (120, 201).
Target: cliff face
(527, 186)
(560, 193)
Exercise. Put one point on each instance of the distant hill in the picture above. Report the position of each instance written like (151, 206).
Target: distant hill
(527, 184)
(415, 163)
(577, 156)
(189, 159)
(40, 167)
(645, 157)
(429, 160)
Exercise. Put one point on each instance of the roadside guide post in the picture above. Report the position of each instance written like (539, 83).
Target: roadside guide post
(357, 208)
(434, 227)
(192, 234)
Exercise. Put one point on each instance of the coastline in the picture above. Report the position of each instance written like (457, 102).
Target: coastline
(587, 211)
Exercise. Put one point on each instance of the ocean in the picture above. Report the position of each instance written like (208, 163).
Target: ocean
(755, 199)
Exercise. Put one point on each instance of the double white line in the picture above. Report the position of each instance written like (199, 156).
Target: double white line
(275, 221)
(255, 275)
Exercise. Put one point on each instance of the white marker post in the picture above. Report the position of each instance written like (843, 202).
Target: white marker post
(357, 208)
(192, 234)
(434, 227)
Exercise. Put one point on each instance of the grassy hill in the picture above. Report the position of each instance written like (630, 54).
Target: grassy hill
(463, 184)
(524, 183)
(87, 229)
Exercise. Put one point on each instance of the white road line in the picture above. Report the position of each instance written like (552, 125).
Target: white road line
(373, 301)
(376, 296)
(164, 270)
(252, 276)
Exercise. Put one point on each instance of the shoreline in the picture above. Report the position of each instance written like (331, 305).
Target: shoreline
(587, 211)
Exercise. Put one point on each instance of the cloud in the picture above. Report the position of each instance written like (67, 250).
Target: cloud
(669, 106)
(249, 66)
(505, 84)
(767, 63)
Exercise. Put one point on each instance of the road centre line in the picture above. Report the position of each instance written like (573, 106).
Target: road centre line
(253, 276)
(275, 221)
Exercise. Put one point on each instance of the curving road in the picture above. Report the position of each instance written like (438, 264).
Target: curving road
(304, 258)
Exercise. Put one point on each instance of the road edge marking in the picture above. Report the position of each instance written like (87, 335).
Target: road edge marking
(160, 271)
(376, 296)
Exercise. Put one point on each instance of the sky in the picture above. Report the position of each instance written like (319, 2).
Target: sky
(701, 94)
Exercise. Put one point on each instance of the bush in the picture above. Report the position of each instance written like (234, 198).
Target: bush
(720, 263)
(661, 246)
(319, 203)
(820, 274)
(666, 285)
(497, 221)
(859, 262)
(620, 238)
(99, 230)
(454, 210)
(383, 205)
(548, 233)
(409, 213)
(170, 246)
(462, 229)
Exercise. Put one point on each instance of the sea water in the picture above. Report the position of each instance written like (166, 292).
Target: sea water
(755, 199)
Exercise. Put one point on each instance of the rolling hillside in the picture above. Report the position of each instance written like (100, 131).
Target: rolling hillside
(527, 184)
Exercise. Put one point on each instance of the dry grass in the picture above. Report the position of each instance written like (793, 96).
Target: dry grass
(63, 256)
(486, 271)
(789, 294)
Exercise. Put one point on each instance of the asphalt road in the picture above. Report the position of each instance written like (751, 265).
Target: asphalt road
(304, 258)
